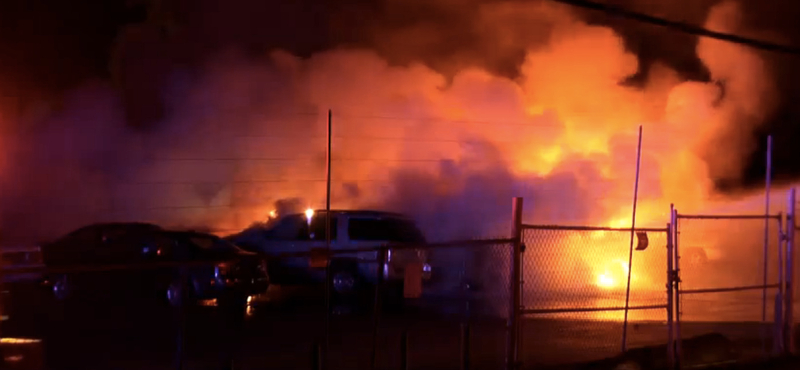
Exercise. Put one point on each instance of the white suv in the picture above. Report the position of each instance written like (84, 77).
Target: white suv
(351, 272)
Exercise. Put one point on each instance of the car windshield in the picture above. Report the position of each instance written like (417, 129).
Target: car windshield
(296, 227)
(210, 242)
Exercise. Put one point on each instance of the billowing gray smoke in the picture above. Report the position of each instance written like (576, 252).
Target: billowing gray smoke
(242, 132)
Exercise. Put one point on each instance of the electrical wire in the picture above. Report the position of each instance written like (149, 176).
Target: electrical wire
(681, 26)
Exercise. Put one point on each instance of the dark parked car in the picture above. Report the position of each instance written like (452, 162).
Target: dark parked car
(230, 272)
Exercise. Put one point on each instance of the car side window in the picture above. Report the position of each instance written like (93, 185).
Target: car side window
(384, 229)
(163, 246)
(89, 235)
(114, 234)
(317, 228)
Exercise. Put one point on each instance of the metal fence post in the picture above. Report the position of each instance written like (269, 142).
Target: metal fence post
(514, 306)
(788, 331)
(778, 335)
(465, 346)
(768, 178)
(670, 300)
(180, 311)
(326, 335)
(676, 283)
(377, 307)
(404, 350)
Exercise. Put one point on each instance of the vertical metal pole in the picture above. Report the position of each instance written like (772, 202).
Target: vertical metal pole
(328, 183)
(521, 323)
(180, 355)
(465, 336)
(670, 301)
(630, 249)
(778, 325)
(377, 308)
(789, 310)
(324, 361)
(676, 281)
(316, 356)
(404, 350)
(766, 246)
(513, 310)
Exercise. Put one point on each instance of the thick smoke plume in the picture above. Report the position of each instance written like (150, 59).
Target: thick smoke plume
(243, 132)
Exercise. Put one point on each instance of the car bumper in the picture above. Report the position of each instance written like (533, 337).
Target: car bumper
(215, 287)
(395, 272)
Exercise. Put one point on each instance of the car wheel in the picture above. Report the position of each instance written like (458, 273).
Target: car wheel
(344, 282)
(177, 294)
(62, 288)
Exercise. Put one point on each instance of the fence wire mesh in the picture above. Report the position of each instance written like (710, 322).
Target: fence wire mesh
(574, 291)
(722, 271)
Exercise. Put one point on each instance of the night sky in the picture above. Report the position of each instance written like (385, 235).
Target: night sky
(48, 47)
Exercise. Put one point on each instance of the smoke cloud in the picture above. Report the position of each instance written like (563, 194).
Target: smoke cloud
(449, 146)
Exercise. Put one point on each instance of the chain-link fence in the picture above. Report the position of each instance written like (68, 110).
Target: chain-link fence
(730, 277)
(574, 293)
(459, 315)
(365, 312)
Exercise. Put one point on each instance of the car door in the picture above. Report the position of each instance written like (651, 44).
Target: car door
(368, 232)
(127, 249)
(365, 232)
(74, 252)
(289, 243)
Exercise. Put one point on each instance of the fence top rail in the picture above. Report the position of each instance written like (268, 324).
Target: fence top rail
(592, 228)
(730, 217)
(406, 246)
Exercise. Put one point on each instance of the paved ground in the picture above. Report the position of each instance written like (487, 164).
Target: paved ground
(286, 337)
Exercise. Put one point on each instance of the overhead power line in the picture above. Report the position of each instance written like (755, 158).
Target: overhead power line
(681, 26)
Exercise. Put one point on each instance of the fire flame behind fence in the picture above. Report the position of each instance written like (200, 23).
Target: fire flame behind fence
(585, 270)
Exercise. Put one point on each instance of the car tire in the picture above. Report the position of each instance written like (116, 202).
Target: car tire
(347, 286)
(178, 294)
(62, 287)
(345, 279)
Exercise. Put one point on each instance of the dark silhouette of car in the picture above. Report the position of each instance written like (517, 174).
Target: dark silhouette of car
(173, 267)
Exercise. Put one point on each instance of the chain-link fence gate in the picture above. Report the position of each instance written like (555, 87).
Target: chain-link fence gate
(728, 289)
(574, 294)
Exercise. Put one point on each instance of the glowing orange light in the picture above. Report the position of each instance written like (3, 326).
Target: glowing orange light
(606, 281)
(19, 340)
(273, 214)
